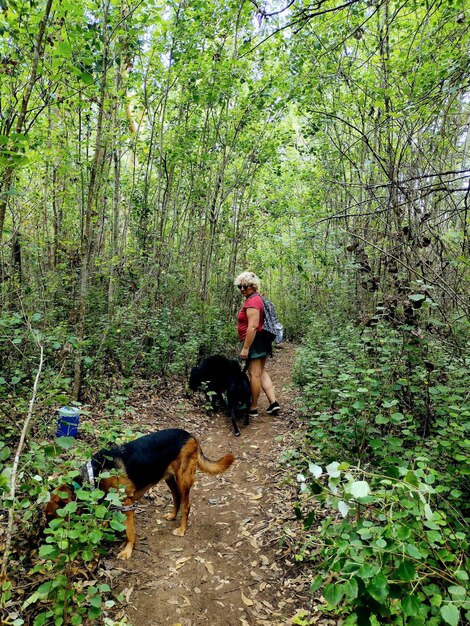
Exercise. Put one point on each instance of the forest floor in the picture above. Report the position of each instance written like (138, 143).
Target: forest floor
(236, 564)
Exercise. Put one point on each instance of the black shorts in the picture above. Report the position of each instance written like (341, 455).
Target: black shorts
(261, 347)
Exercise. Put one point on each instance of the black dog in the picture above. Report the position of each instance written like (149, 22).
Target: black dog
(224, 376)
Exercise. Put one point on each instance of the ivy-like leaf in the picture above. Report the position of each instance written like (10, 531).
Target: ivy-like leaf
(333, 594)
(66, 442)
(316, 470)
(343, 508)
(410, 605)
(406, 571)
(351, 589)
(332, 470)
(360, 489)
(378, 588)
(450, 614)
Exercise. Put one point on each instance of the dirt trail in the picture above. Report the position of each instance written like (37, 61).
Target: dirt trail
(230, 568)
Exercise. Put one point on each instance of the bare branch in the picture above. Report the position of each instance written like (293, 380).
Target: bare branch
(16, 461)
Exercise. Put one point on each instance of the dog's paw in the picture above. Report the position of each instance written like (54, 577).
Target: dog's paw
(169, 516)
(237, 434)
(126, 553)
(179, 532)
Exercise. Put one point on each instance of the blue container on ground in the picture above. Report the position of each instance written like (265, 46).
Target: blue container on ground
(69, 417)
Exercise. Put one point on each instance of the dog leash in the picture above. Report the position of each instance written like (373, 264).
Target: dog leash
(128, 507)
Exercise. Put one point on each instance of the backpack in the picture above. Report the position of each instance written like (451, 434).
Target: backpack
(271, 324)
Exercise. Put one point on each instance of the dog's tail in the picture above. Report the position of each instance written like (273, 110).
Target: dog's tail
(214, 467)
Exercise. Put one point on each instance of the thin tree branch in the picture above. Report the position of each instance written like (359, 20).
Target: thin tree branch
(438, 281)
(16, 461)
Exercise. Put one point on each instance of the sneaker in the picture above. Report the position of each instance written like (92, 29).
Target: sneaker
(273, 409)
(253, 413)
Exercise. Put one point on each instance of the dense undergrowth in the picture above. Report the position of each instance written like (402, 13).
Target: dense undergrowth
(387, 455)
(53, 572)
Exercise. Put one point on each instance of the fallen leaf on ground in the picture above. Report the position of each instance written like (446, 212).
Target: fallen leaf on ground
(207, 565)
(127, 593)
(246, 600)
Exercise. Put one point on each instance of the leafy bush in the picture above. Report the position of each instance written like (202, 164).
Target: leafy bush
(157, 344)
(73, 541)
(60, 561)
(386, 400)
(394, 557)
(397, 406)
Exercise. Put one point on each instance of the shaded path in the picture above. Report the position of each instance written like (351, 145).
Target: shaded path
(230, 567)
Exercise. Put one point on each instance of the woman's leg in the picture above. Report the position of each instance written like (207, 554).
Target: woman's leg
(267, 385)
(255, 370)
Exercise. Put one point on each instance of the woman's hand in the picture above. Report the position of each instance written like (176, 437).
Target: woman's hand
(244, 353)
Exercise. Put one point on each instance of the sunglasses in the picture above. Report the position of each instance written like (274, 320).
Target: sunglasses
(241, 287)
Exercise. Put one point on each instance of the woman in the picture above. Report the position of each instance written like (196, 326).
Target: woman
(256, 344)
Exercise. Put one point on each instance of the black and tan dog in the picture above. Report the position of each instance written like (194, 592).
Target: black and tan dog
(173, 455)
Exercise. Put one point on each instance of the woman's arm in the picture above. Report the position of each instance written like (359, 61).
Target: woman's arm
(253, 323)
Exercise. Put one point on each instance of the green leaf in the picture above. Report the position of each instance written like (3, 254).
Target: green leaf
(316, 470)
(42, 618)
(86, 78)
(100, 511)
(48, 551)
(117, 525)
(406, 571)
(351, 589)
(382, 419)
(66, 442)
(450, 614)
(333, 593)
(95, 601)
(95, 536)
(343, 508)
(458, 591)
(360, 489)
(332, 470)
(413, 551)
(403, 532)
(87, 554)
(368, 571)
(410, 605)
(378, 588)
(316, 584)
(71, 507)
(436, 600)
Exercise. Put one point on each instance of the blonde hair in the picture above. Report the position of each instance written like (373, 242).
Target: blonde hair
(248, 278)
